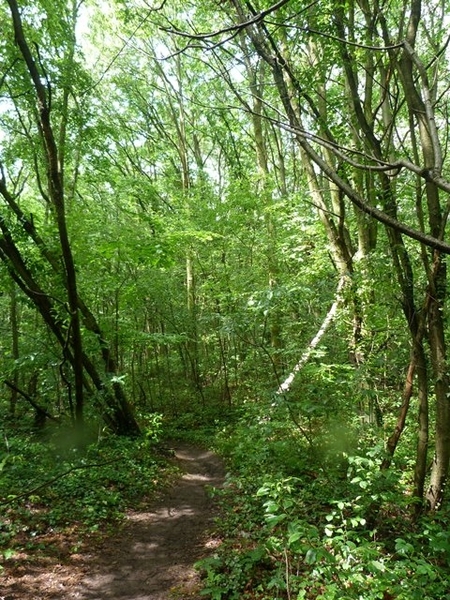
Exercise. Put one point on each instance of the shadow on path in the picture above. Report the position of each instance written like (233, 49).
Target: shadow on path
(156, 550)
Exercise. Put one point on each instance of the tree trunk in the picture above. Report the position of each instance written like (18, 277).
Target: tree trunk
(56, 195)
(14, 322)
(439, 472)
(115, 409)
(419, 94)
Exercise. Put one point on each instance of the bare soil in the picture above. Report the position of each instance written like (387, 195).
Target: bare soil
(151, 556)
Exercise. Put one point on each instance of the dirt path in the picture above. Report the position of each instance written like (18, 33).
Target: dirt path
(152, 556)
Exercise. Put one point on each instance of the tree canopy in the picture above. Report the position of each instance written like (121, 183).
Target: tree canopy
(231, 209)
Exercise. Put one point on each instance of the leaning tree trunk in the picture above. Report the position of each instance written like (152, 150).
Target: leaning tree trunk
(56, 196)
(112, 402)
(116, 410)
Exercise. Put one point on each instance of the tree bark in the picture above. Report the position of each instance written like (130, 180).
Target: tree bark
(56, 195)
(14, 321)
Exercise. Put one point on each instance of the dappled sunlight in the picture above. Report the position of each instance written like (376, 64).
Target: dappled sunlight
(157, 548)
(152, 552)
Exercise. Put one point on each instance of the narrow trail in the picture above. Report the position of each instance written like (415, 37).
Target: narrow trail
(152, 555)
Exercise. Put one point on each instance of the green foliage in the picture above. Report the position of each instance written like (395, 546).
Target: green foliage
(57, 486)
(165, 168)
(325, 526)
(229, 576)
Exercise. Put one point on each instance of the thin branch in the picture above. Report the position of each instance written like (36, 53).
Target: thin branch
(232, 28)
(348, 43)
(60, 476)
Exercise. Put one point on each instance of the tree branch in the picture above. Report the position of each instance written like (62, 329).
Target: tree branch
(60, 476)
(232, 28)
(285, 386)
(29, 399)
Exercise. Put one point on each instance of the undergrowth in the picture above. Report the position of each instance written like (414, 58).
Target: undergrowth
(50, 485)
(320, 522)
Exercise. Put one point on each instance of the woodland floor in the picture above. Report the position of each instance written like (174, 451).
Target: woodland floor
(150, 557)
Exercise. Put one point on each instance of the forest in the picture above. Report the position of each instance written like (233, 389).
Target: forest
(225, 222)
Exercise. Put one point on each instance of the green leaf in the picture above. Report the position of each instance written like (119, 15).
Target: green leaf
(311, 556)
(403, 547)
(379, 566)
(294, 537)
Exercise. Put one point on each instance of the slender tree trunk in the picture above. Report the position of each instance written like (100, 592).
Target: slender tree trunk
(417, 367)
(420, 469)
(419, 94)
(56, 194)
(116, 410)
(14, 322)
(440, 467)
(256, 78)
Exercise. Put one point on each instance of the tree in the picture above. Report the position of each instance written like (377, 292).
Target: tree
(389, 70)
(396, 94)
(44, 118)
